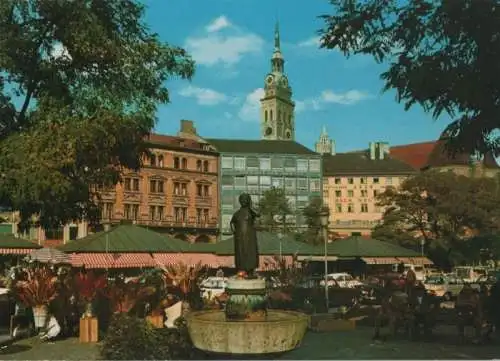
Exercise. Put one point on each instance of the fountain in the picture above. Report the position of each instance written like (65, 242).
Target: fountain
(246, 326)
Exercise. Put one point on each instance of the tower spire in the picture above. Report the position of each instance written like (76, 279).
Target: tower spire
(277, 36)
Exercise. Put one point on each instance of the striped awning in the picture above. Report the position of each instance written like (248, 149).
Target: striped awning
(416, 260)
(265, 262)
(380, 260)
(22, 251)
(134, 260)
(93, 260)
(206, 259)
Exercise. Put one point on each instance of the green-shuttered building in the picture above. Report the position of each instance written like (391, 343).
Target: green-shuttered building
(254, 166)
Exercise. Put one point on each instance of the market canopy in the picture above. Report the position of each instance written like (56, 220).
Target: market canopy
(125, 239)
(10, 244)
(270, 244)
(374, 251)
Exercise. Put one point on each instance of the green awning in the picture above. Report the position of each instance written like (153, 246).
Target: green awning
(126, 239)
(270, 244)
(10, 241)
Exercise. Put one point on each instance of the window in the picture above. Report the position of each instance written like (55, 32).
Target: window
(206, 167)
(239, 182)
(252, 163)
(338, 180)
(199, 190)
(364, 208)
(198, 165)
(227, 180)
(177, 163)
(199, 215)
(376, 180)
(350, 193)
(206, 190)
(364, 193)
(290, 183)
(265, 180)
(290, 164)
(206, 215)
(388, 181)
(375, 193)
(160, 161)
(302, 201)
(107, 210)
(277, 182)
(277, 163)
(362, 180)
(239, 163)
(314, 185)
(338, 194)
(156, 186)
(350, 208)
(152, 160)
(184, 163)
(131, 211)
(227, 162)
(180, 214)
(302, 165)
(314, 165)
(350, 180)
(135, 184)
(265, 163)
(302, 184)
(180, 189)
(338, 208)
(152, 213)
(253, 180)
(184, 189)
(225, 220)
(128, 183)
(160, 213)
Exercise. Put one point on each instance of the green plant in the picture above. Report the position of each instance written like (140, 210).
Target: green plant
(131, 338)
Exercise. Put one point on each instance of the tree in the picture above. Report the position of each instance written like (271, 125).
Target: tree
(80, 82)
(274, 207)
(441, 209)
(312, 216)
(439, 55)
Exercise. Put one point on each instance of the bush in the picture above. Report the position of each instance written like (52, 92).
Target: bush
(132, 338)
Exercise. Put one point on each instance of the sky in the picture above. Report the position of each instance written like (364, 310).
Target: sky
(232, 43)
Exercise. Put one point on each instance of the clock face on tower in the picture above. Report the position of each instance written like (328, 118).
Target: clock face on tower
(269, 131)
(269, 79)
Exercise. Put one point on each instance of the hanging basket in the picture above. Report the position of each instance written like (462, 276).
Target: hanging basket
(40, 315)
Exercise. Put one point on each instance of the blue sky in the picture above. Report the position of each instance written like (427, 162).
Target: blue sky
(231, 41)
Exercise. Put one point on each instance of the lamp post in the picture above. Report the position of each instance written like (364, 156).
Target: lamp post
(324, 215)
(280, 237)
(422, 245)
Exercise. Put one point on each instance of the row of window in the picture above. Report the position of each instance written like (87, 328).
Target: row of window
(269, 116)
(156, 213)
(229, 202)
(277, 163)
(241, 182)
(365, 180)
(362, 193)
(179, 163)
(351, 208)
(158, 186)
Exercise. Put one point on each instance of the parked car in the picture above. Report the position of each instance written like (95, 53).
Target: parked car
(447, 287)
(470, 274)
(213, 287)
(343, 280)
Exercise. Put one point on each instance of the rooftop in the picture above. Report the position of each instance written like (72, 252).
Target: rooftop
(178, 143)
(359, 163)
(260, 146)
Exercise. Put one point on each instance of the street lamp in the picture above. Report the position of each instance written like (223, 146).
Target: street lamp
(324, 216)
(280, 237)
(422, 245)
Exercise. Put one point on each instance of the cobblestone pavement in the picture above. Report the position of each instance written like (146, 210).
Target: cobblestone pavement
(355, 344)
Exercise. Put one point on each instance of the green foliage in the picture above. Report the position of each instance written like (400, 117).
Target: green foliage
(273, 205)
(79, 86)
(438, 54)
(132, 338)
(442, 209)
(312, 216)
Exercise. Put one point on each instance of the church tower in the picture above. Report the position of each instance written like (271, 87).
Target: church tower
(325, 145)
(277, 117)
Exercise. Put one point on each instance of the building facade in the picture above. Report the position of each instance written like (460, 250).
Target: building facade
(254, 166)
(351, 182)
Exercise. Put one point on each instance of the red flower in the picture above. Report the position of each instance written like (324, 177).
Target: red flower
(89, 284)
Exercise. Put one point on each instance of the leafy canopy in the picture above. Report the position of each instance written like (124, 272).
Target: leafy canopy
(441, 54)
(274, 207)
(80, 82)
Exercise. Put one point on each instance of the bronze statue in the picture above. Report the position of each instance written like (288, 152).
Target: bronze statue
(246, 253)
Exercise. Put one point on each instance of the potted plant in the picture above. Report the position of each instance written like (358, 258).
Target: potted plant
(88, 284)
(124, 296)
(36, 288)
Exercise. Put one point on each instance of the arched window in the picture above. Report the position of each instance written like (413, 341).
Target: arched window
(271, 115)
(279, 115)
(184, 163)
(160, 161)
(265, 115)
(198, 165)
(177, 163)
(152, 160)
(205, 166)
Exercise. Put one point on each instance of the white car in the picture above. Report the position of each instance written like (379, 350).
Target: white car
(343, 280)
(213, 286)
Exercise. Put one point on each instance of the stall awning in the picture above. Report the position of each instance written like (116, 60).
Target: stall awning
(416, 260)
(112, 260)
(317, 258)
(15, 251)
(191, 259)
(380, 260)
(134, 260)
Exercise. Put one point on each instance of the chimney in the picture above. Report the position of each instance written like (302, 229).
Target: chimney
(383, 148)
(372, 147)
(187, 127)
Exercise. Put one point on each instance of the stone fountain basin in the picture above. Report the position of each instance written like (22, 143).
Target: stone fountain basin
(282, 331)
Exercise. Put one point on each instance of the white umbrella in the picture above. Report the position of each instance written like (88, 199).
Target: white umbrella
(49, 255)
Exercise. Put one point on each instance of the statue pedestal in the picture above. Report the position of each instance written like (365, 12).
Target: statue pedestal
(247, 299)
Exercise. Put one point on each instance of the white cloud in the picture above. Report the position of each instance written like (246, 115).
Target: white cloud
(218, 24)
(203, 96)
(330, 97)
(251, 107)
(214, 47)
(315, 41)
